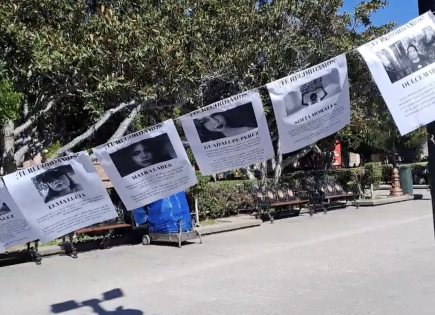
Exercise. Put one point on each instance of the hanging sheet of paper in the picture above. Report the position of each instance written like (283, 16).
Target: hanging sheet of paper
(229, 134)
(147, 165)
(60, 196)
(14, 229)
(402, 64)
(311, 104)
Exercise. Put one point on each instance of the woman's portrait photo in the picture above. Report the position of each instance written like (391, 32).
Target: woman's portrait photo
(4, 209)
(409, 55)
(56, 182)
(313, 92)
(417, 60)
(143, 154)
(229, 123)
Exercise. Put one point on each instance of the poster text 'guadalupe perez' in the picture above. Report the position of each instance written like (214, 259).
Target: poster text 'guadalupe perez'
(229, 134)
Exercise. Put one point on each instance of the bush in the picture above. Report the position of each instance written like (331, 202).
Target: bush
(225, 198)
(349, 178)
(416, 169)
(220, 199)
(372, 175)
(387, 170)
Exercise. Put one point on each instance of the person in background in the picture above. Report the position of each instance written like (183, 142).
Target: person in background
(418, 61)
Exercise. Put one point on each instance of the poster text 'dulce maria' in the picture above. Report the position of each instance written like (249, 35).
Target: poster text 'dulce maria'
(402, 63)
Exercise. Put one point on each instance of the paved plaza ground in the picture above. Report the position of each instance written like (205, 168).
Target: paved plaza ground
(378, 260)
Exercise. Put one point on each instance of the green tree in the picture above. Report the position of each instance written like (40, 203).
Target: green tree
(10, 101)
(88, 72)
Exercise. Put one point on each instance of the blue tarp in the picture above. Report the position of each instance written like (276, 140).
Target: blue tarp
(163, 215)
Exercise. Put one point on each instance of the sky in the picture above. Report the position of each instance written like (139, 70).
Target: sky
(398, 11)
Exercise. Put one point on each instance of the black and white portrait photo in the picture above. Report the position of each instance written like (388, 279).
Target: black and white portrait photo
(4, 209)
(56, 182)
(229, 123)
(409, 55)
(143, 154)
(313, 92)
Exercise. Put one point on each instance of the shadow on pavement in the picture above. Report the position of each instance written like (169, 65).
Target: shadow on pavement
(94, 304)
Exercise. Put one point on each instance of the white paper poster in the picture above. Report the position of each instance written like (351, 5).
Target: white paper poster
(14, 229)
(229, 134)
(311, 104)
(402, 63)
(147, 165)
(60, 196)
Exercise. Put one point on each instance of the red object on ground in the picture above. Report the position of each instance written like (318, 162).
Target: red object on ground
(337, 154)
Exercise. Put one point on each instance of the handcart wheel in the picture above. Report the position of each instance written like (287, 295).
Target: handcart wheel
(146, 240)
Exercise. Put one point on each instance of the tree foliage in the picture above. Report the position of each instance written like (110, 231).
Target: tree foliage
(75, 60)
(10, 101)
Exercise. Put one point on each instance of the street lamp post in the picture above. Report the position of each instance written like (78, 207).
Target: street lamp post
(423, 7)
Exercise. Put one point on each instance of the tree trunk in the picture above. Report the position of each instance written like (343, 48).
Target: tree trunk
(123, 127)
(93, 129)
(8, 146)
(394, 155)
(278, 166)
(263, 176)
(248, 173)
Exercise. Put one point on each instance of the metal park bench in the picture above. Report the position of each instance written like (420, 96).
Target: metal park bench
(314, 195)
(330, 195)
(279, 199)
(107, 229)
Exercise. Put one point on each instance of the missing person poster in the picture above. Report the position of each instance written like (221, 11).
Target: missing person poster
(311, 104)
(60, 196)
(14, 229)
(402, 64)
(229, 134)
(147, 165)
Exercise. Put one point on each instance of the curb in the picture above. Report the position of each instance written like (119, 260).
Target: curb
(228, 226)
(224, 225)
(384, 201)
(388, 187)
(51, 250)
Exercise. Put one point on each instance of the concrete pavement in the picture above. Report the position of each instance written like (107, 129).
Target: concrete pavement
(377, 260)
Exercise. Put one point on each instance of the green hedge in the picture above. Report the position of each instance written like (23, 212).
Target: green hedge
(349, 178)
(225, 198)
(387, 169)
(220, 199)
(370, 173)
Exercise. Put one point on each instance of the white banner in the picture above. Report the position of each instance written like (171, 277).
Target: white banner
(60, 196)
(147, 165)
(311, 104)
(14, 229)
(402, 63)
(229, 134)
